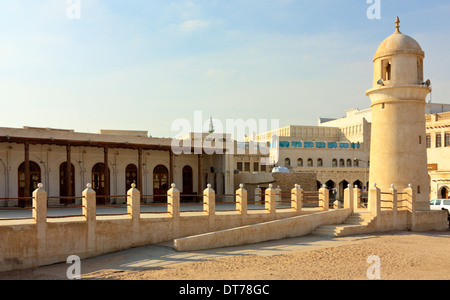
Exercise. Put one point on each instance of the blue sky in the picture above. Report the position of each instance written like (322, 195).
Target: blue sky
(140, 65)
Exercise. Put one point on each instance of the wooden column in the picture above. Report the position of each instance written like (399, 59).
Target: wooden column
(199, 182)
(69, 174)
(140, 175)
(27, 192)
(171, 177)
(107, 181)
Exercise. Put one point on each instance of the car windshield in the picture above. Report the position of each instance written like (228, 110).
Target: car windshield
(432, 202)
(446, 202)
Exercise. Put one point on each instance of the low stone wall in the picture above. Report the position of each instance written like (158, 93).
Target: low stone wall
(41, 240)
(273, 230)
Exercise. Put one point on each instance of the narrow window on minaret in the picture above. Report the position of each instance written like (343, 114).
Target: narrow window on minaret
(388, 71)
(420, 70)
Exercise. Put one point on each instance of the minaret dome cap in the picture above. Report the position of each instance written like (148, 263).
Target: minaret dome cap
(398, 43)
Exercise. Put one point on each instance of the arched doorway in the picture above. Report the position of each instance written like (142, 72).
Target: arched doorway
(160, 183)
(444, 194)
(332, 190)
(63, 186)
(359, 184)
(131, 176)
(188, 187)
(98, 182)
(319, 184)
(342, 186)
(35, 179)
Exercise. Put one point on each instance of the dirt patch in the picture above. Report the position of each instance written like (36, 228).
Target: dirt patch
(407, 257)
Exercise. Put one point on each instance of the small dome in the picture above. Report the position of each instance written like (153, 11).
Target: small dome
(398, 43)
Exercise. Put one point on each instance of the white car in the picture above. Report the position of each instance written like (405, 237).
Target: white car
(440, 204)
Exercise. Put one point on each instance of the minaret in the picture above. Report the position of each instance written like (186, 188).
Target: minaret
(398, 153)
(211, 126)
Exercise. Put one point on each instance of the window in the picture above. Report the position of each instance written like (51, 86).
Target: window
(99, 182)
(34, 179)
(447, 139)
(160, 184)
(287, 162)
(334, 163)
(386, 69)
(247, 167)
(320, 162)
(299, 162)
(263, 168)
(255, 167)
(349, 163)
(420, 70)
(356, 163)
(239, 166)
(438, 140)
(188, 176)
(310, 162)
(428, 141)
(131, 176)
(341, 163)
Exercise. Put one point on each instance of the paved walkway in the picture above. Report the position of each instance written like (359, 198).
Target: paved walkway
(114, 210)
(159, 256)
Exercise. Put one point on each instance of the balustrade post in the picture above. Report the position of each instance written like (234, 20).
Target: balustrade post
(324, 198)
(40, 217)
(134, 202)
(241, 200)
(173, 202)
(134, 210)
(209, 201)
(173, 208)
(209, 205)
(40, 205)
(394, 204)
(297, 199)
(375, 200)
(270, 200)
(349, 198)
(410, 202)
(89, 204)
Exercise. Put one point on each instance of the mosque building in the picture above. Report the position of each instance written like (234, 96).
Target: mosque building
(336, 152)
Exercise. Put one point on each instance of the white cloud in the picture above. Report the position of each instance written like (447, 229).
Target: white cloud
(191, 25)
(219, 73)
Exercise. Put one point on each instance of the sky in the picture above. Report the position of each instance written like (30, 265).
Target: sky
(89, 65)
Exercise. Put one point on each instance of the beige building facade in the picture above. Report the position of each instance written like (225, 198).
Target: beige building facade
(438, 148)
(29, 156)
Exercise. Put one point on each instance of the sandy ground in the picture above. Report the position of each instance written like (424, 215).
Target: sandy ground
(402, 255)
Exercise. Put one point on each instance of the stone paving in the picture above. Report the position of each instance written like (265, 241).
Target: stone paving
(120, 209)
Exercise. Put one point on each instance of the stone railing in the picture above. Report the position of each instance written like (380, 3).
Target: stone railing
(42, 240)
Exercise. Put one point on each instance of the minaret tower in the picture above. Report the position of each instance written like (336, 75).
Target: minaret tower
(398, 153)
